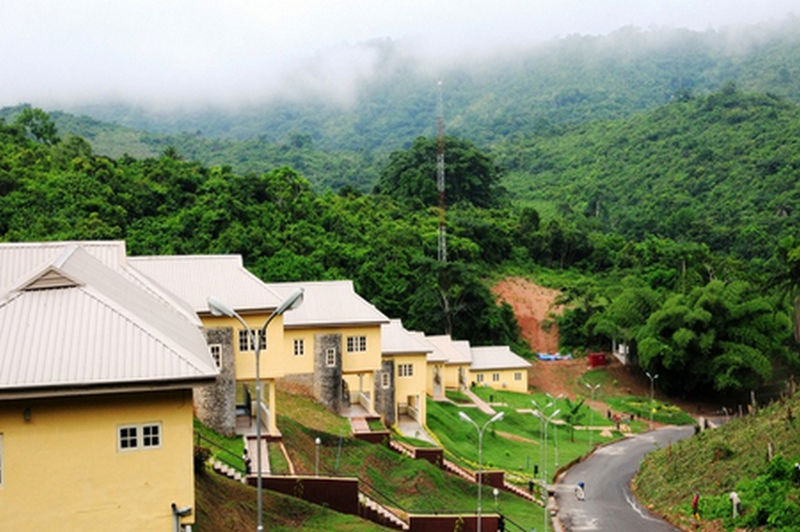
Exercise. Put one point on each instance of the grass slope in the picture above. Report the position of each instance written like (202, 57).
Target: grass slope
(715, 462)
(414, 486)
(223, 504)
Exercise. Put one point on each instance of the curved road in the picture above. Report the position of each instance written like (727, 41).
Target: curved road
(609, 504)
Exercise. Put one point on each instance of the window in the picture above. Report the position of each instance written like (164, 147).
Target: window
(495, 377)
(142, 436)
(356, 344)
(405, 370)
(246, 340)
(330, 357)
(480, 377)
(216, 354)
(518, 376)
(385, 380)
(299, 347)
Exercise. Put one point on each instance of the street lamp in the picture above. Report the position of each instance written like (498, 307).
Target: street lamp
(496, 492)
(541, 429)
(591, 409)
(547, 420)
(496, 417)
(555, 429)
(219, 308)
(317, 441)
(652, 380)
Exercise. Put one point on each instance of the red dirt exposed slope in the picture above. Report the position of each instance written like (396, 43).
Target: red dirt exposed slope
(532, 306)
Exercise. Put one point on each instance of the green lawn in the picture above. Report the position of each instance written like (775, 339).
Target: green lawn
(277, 461)
(456, 396)
(641, 407)
(515, 455)
(415, 486)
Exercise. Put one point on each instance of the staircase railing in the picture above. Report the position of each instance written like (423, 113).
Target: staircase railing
(222, 454)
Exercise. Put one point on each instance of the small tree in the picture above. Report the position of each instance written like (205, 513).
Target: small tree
(572, 415)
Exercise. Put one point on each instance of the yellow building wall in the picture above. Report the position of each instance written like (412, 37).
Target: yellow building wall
(369, 360)
(357, 382)
(505, 379)
(432, 367)
(62, 470)
(273, 359)
(298, 364)
(451, 374)
(411, 386)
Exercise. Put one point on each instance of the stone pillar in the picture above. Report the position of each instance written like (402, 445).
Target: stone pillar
(215, 404)
(384, 397)
(327, 383)
(272, 424)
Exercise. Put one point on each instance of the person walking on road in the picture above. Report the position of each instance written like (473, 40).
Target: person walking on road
(580, 491)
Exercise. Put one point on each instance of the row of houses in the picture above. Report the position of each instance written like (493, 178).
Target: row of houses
(105, 358)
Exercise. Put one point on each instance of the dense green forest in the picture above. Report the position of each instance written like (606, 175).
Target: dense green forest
(685, 308)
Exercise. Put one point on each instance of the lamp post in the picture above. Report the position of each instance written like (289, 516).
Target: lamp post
(591, 410)
(541, 408)
(652, 381)
(496, 417)
(317, 441)
(219, 308)
(547, 420)
(555, 429)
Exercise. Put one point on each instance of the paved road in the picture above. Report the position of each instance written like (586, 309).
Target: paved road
(609, 504)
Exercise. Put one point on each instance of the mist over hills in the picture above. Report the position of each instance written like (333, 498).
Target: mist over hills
(569, 80)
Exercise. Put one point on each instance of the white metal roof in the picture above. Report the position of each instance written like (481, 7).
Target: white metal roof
(496, 357)
(19, 259)
(456, 351)
(328, 304)
(435, 354)
(395, 339)
(77, 323)
(195, 278)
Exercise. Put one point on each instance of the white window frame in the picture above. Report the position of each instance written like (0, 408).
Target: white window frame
(356, 344)
(385, 380)
(479, 377)
(246, 340)
(140, 439)
(495, 377)
(216, 354)
(405, 370)
(299, 347)
(330, 357)
(517, 375)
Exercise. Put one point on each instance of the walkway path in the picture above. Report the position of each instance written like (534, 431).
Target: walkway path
(480, 403)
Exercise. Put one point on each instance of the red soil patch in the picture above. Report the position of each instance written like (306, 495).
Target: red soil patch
(533, 306)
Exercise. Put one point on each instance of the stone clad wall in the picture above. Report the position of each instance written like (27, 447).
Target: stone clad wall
(327, 383)
(215, 404)
(384, 397)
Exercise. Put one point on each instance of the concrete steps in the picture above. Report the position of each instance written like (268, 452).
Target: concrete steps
(228, 471)
(377, 513)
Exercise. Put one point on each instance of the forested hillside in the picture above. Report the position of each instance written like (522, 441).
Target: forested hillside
(683, 308)
(570, 80)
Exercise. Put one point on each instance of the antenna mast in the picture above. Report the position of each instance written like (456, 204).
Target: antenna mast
(442, 256)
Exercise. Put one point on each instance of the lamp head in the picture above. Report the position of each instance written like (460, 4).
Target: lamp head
(463, 416)
(497, 417)
(317, 440)
(291, 302)
(557, 412)
(218, 308)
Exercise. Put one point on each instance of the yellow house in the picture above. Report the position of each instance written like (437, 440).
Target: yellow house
(435, 370)
(500, 368)
(401, 391)
(459, 358)
(332, 345)
(96, 378)
(195, 278)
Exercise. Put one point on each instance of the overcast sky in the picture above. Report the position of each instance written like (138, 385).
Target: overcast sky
(173, 52)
